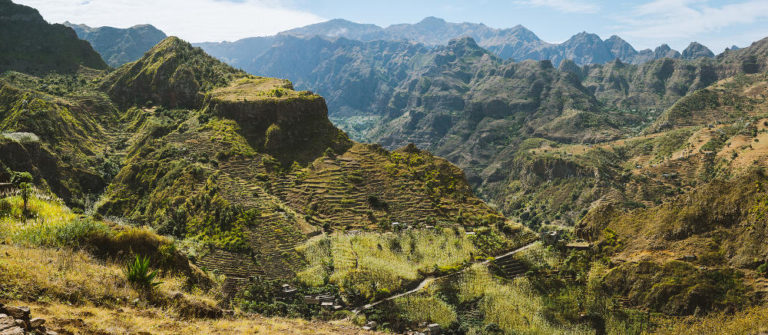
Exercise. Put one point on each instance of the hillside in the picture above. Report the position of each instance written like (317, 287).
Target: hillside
(179, 194)
(32, 45)
(119, 46)
(239, 170)
(265, 159)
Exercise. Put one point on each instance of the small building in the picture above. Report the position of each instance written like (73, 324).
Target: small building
(6, 187)
(288, 289)
(327, 304)
(433, 329)
(311, 300)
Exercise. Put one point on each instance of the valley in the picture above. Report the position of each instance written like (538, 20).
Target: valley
(343, 178)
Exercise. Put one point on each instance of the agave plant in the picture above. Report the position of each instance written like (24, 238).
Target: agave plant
(138, 273)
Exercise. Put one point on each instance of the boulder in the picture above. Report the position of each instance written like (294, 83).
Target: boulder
(13, 331)
(36, 323)
(17, 312)
(6, 322)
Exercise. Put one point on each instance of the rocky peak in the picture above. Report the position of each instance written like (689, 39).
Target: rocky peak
(620, 48)
(173, 74)
(664, 51)
(696, 50)
(432, 21)
(465, 46)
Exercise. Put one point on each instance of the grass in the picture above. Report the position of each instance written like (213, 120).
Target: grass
(370, 263)
(51, 224)
(515, 307)
(753, 320)
(260, 88)
(426, 308)
(90, 319)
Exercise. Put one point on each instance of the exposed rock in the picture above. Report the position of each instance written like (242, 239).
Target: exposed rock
(36, 323)
(15, 321)
(6, 322)
(17, 312)
(13, 331)
(696, 50)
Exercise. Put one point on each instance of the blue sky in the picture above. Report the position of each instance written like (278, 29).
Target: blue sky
(644, 23)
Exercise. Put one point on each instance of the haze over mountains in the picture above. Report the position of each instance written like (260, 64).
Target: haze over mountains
(517, 43)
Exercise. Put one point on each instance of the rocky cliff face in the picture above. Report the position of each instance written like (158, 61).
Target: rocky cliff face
(292, 126)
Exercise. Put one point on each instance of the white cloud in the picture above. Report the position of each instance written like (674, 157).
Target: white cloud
(568, 6)
(192, 20)
(689, 18)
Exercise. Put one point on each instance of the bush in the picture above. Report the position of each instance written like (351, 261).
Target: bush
(138, 274)
(75, 233)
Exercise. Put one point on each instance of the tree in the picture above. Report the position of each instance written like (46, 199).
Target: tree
(23, 181)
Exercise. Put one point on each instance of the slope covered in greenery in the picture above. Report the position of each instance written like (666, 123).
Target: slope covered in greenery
(237, 170)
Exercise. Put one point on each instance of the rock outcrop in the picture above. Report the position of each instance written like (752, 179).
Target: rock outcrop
(17, 321)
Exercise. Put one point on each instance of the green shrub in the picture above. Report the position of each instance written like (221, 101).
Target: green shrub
(74, 233)
(138, 274)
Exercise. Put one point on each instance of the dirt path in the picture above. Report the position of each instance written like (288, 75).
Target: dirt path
(424, 283)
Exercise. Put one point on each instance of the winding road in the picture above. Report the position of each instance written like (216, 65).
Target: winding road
(424, 283)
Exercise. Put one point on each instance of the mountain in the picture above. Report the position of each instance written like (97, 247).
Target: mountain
(337, 28)
(245, 169)
(35, 46)
(696, 50)
(119, 46)
(463, 103)
(517, 43)
(620, 48)
(179, 194)
(240, 54)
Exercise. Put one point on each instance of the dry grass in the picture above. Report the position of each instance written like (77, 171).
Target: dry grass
(750, 321)
(258, 88)
(515, 307)
(138, 320)
(64, 275)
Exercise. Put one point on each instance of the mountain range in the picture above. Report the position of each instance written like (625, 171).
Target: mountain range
(177, 193)
(119, 46)
(517, 43)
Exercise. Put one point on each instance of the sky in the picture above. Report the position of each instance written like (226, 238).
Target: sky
(717, 24)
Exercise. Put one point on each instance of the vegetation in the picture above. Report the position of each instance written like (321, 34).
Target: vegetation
(138, 273)
(211, 181)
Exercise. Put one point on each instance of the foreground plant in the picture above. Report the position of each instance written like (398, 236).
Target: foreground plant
(138, 273)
